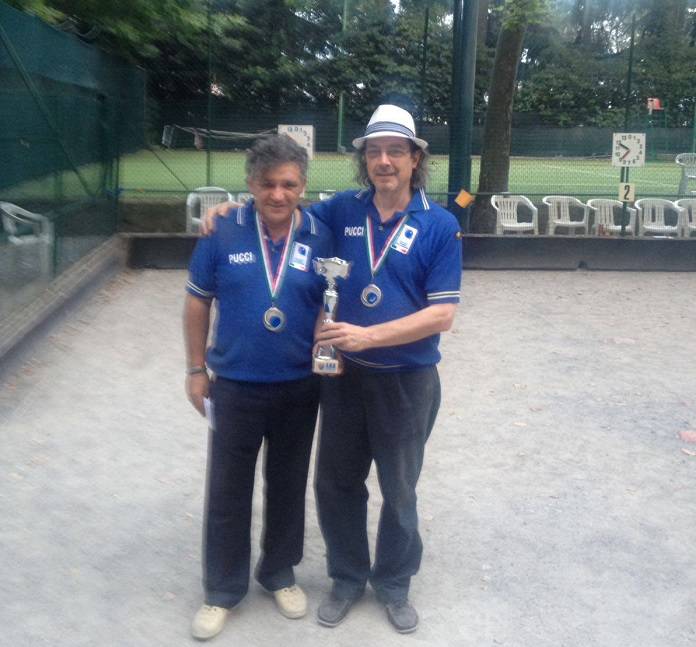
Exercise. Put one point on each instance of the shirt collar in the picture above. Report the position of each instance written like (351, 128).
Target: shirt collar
(419, 201)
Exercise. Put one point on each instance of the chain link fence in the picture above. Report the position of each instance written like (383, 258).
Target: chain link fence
(543, 159)
(91, 143)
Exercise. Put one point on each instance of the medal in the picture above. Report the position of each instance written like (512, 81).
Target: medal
(371, 296)
(274, 319)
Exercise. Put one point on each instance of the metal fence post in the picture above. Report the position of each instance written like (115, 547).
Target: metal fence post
(461, 123)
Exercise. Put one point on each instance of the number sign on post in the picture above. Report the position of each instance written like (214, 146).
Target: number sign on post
(627, 192)
(627, 151)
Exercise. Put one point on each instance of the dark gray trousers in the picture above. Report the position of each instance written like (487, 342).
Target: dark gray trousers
(385, 417)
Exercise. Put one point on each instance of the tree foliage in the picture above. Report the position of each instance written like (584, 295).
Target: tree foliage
(265, 54)
(575, 70)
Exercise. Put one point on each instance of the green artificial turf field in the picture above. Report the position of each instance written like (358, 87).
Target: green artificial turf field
(171, 174)
(144, 173)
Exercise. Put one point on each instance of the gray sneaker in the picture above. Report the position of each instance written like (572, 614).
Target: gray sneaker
(402, 615)
(333, 610)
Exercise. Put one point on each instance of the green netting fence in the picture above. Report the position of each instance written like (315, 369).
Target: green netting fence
(545, 160)
(93, 143)
(67, 111)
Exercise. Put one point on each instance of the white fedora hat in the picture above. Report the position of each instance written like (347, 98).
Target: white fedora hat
(390, 121)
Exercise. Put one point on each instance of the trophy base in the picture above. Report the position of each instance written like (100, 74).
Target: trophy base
(327, 365)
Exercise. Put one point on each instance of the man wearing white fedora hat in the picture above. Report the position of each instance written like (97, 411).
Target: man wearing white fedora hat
(402, 291)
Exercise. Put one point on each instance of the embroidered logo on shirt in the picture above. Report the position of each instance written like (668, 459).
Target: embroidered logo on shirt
(240, 258)
(405, 240)
(300, 256)
(354, 231)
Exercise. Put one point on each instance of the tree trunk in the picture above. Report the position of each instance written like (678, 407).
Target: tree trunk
(497, 134)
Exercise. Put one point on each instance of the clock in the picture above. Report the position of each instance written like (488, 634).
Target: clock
(303, 135)
(628, 149)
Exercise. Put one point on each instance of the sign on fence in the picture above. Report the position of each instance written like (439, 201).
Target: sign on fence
(303, 135)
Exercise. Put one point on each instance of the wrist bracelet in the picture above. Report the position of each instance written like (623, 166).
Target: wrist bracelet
(195, 370)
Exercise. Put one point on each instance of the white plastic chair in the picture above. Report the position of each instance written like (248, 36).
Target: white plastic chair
(26, 229)
(199, 201)
(507, 214)
(688, 163)
(605, 212)
(651, 217)
(559, 213)
(688, 206)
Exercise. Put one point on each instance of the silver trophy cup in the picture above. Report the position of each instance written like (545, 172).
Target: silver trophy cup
(327, 360)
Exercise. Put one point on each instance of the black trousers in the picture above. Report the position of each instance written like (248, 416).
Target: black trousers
(246, 413)
(386, 418)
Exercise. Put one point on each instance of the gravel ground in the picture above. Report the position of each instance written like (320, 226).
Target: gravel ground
(557, 499)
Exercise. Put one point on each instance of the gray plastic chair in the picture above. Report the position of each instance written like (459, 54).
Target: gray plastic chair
(687, 161)
(199, 201)
(688, 206)
(651, 217)
(605, 212)
(559, 213)
(507, 214)
(28, 229)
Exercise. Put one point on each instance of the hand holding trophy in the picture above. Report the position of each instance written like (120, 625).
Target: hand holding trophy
(327, 360)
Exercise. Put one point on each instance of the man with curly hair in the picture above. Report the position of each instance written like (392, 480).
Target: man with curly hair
(401, 293)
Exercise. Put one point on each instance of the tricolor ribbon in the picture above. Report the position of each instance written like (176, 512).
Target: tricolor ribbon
(377, 262)
(275, 282)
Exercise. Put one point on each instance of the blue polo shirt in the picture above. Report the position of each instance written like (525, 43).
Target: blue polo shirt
(228, 266)
(426, 270)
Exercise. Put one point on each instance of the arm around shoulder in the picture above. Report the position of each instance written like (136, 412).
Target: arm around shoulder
(221, 210)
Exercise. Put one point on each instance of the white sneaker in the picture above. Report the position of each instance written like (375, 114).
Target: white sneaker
(208, 622)
(291, 601)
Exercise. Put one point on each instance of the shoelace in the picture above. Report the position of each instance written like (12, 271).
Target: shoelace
(210, 608)
(289, 589)
(399, 604)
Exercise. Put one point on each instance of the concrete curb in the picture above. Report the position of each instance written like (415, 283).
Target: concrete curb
(484, 252)
(91, 270)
